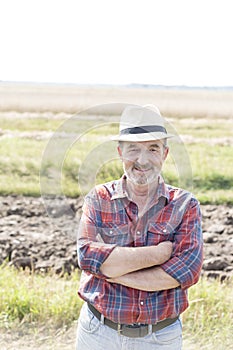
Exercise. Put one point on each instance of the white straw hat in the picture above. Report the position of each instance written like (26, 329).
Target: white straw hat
(141, 123)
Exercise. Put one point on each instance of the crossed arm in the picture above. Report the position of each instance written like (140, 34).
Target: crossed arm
(139, 267)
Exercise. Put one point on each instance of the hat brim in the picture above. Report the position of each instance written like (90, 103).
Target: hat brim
(142, 137)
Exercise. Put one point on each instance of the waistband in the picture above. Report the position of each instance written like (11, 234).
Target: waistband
(135, 330)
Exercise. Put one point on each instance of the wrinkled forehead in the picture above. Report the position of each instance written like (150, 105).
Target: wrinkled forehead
(143, 144)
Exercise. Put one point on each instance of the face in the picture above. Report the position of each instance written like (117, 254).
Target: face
(143, 161)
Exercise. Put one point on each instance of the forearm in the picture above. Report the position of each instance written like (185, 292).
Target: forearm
(151, 279)
(124, 260)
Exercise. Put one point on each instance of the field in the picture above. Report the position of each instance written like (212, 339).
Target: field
(43, 133)
(55, 140)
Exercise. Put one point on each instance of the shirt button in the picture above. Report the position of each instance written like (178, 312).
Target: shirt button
(138, 232)
(111, 232)
(142, 302)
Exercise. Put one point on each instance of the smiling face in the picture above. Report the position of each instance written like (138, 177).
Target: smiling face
(143, 161)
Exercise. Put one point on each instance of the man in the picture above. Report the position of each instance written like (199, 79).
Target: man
(139, 246)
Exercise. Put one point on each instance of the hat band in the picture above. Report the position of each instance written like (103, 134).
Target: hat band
(143, 130)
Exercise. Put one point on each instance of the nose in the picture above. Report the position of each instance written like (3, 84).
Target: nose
(142, 158)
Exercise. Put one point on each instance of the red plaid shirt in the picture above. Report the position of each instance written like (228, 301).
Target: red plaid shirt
(110, 219)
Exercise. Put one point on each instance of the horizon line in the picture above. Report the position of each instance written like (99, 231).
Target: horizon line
(128, 85)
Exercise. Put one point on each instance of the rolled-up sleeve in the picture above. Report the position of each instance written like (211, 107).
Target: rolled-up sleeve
(186, 262)
(92, 251)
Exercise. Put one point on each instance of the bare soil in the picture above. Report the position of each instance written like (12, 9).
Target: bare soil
(41, 234)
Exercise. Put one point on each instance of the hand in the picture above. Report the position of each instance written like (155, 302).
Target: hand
(164, 251)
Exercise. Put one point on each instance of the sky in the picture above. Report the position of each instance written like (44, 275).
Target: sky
(160, 42)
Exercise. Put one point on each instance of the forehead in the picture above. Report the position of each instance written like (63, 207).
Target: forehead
(146, 144)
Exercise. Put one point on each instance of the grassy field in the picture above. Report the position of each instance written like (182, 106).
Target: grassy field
(70, 155)
(38, 300)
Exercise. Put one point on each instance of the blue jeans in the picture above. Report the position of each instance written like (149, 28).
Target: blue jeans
(93, 335)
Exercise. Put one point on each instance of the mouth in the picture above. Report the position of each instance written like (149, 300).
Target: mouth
(142, 170)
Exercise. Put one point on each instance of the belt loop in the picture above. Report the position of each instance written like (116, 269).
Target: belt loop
(150, 329)
(119, 326)
(102, 319)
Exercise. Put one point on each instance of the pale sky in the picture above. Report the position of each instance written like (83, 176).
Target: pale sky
(168, 42)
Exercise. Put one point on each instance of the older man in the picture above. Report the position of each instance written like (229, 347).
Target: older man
(139, 246)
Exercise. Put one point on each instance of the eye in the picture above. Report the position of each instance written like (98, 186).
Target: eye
(154, 149)
(132, 150)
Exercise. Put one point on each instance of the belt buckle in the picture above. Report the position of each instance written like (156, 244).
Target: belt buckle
(133, 331)
(119, 328)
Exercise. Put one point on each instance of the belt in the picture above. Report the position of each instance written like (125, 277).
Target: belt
(135, 330)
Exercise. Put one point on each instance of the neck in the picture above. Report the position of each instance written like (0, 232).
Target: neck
(138, 191)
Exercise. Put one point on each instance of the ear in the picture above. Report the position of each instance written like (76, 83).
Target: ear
(165, 153)
(119, 151)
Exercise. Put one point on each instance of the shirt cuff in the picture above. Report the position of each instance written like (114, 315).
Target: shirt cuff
(92, 255)
(176, 268)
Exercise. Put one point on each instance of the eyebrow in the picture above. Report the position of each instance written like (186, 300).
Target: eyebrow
(154, 145)
(131, 145)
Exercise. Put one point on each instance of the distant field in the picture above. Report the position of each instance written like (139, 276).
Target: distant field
(23, 97)
(30, 115)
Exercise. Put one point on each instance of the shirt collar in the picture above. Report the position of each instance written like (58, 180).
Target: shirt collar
(119, 190)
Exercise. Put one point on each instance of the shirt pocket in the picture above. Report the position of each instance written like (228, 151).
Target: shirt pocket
(159, 232)
(115, 234)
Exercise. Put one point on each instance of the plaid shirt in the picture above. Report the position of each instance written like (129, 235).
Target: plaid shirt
(110, 219)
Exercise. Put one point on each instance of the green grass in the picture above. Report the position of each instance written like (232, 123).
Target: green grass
(37, 298)
(19, 166)
(75, 165)
(30, 124)
(204, 127)
(51, 122)
(209, 319)
(49, 300)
